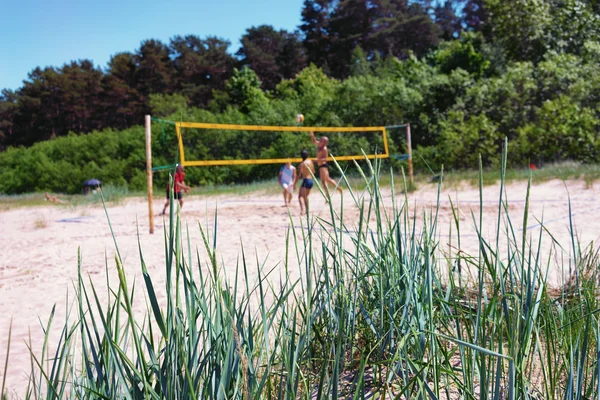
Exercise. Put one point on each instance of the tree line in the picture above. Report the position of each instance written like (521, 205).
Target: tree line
(471, 74)
(82, 97)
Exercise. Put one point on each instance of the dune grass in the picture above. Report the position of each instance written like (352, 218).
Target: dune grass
(110, 194)
(566, 170)
(380, 311)
(590, 173)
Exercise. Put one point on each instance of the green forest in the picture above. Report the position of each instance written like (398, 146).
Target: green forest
(465, 74)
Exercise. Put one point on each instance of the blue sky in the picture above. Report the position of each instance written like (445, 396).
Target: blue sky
(40, 33)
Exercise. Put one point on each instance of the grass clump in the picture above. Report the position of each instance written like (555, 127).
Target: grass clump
(40, 221)
(8, 202)
(378, 312)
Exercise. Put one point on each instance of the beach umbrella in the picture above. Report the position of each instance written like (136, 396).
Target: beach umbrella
(92, 182)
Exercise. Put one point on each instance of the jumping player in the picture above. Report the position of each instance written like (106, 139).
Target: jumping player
(322, 154)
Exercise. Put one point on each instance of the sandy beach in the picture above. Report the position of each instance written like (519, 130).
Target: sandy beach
(39, 245)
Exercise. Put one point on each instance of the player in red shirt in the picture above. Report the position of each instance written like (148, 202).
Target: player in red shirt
(178, 186)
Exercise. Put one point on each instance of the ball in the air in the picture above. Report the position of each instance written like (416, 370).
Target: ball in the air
(299, 118)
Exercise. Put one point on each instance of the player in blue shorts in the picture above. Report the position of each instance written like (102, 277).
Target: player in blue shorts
(306, 171)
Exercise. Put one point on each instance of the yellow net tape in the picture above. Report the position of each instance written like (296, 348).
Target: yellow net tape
(199, 163)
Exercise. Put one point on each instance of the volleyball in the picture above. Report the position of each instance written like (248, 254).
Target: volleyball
(299, 118)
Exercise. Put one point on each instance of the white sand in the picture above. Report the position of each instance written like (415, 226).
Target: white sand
(39, 245)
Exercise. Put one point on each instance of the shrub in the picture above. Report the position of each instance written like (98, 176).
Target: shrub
(562, 131)
(463, 139)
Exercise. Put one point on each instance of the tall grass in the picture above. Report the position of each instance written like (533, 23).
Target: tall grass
(380, 311)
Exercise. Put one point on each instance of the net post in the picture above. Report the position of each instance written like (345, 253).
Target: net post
(409, 152)
(148, 126)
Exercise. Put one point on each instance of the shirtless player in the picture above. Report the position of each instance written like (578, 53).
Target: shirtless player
(322, 154)
(306, 171)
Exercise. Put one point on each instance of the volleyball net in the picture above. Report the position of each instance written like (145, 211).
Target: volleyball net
(237, 151)
(208, 144)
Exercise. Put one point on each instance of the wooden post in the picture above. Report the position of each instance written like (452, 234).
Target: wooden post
(149, 171)
(409, 152)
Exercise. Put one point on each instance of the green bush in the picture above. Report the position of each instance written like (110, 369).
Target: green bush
(563, 131)
(463, 140)
(64, 164)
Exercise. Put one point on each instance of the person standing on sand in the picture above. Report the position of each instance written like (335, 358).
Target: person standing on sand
(322, 155)
(178, 186)
(287, 177)
(306, 171)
